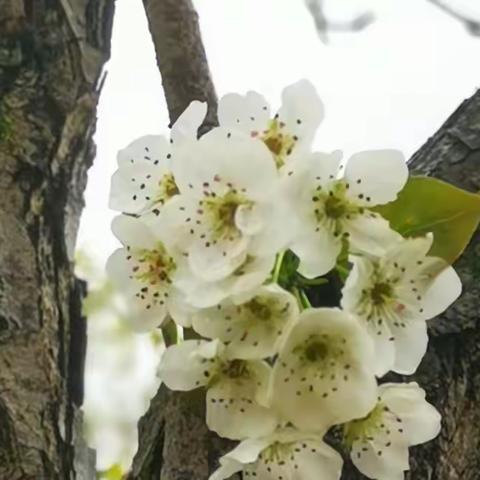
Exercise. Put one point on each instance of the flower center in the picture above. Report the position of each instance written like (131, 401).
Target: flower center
(363, 428)
(154, 267)
(236, 369)
(277, 452)
(221, 211)
(381, 293)
(278, 142)
(335, 207)
(316, 352)
(167, 188)
(259, 309)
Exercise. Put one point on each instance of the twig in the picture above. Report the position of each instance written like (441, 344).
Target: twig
(472, 25)
(323, 25)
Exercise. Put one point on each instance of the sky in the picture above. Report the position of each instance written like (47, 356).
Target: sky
(390, 86)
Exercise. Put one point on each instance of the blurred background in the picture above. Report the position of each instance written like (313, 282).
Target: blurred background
(389, 74)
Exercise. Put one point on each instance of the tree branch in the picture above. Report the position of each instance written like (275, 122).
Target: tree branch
(51, 57)
(181, 57)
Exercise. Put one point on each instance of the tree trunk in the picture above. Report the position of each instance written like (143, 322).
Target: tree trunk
(51, 57)
(174, 442)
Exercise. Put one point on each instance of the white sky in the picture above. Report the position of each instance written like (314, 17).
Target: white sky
(390, 86)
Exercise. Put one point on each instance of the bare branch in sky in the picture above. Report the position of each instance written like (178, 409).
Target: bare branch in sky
(324, 25)
(471, 24)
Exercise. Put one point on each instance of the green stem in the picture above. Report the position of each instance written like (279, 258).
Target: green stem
(312, 282)
(305, 301)
(302, 298)
(278, 266)
(344, 272)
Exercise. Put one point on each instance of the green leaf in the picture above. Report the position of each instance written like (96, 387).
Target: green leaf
(430, 205)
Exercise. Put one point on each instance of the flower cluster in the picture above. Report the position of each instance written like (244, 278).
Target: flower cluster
(226, 235)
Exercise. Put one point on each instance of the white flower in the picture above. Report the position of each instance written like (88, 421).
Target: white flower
(284, 455)
(145, 270)
(402, 418)
(236, 389)
(331, 206)
(245, 278)
(144, 180)
(254, 328)
(229, 204)
(291, 131)
(324, 373)
(395, 294)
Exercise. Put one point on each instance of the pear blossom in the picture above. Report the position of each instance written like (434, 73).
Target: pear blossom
(145, 269)
(249, 275)
(237, 390)
(289, 133)
(144, 179)
(286, 454)
(401, 418)
(251, 329)
(324, 374)
(229, 205)
(394, 294)
(332, 204)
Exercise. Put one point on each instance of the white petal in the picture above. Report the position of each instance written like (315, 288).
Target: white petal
(117, 267)
(172, 225)
(249, 219)
(240, 285)
(410, 346)
(151, 148)
(134, 187)
(370, 233)
(309, 459)
(219, 162)
(183, 367)
(407, 251)
(444, 290)
(186, 126)
(179, 309)
(276, 232)
(226, 470)
(315, 393)
(318, 460)
(133, 232)
(359, 278)
(253, 329)
(317, 252)
(249, 113)
(247, 451)
(385, 348)
(384, 453)
(420, 419)
(213, 262)
(301, 111)
(143, 320)
(232, 409)
(375, 177)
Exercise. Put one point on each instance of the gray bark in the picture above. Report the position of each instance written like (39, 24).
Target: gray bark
(174, 442)
(51, 57)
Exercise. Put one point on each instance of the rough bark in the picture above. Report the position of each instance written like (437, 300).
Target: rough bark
(181, 57)
(174, 443)
(51, 57)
